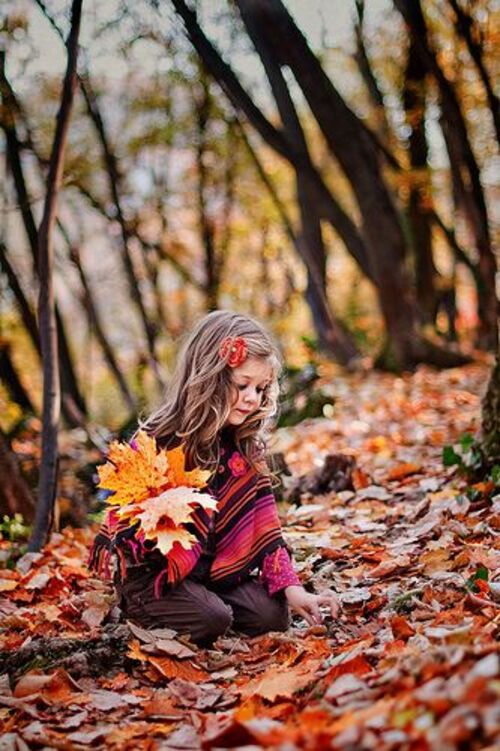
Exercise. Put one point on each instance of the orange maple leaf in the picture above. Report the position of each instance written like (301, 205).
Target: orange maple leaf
(177, 474)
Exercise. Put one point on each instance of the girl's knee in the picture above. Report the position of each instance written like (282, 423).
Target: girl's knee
(275, 617)
(279, 616)
(216, 621)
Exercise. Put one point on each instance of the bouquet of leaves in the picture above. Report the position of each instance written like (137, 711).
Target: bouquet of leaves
(151, 488)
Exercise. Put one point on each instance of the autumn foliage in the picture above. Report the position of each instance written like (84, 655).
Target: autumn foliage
(411, 663)
(152, 489)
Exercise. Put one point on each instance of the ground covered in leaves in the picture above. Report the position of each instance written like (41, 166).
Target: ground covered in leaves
(412, 663)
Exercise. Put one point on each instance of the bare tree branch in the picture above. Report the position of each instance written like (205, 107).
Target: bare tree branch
(47, 318)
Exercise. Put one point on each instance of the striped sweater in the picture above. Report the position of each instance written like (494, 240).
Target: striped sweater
(243, 535)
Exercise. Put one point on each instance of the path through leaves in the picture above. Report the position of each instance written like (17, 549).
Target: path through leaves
(412, 662)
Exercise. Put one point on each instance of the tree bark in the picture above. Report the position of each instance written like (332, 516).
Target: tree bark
(47, 317)
(490, 416)
(115, 182)
(15, 495)
(464, 27)
(332, 335)
(74, 404)
(358, 156)
(464, 169)
(420, 199)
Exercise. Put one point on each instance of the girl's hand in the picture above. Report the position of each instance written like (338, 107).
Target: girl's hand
(308, 605)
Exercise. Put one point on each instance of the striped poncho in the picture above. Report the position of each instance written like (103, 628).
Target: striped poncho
(233, 542)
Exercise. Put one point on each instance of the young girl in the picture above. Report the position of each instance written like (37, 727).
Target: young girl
(219, 404)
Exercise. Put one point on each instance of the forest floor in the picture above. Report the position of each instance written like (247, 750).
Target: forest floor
(411, 663)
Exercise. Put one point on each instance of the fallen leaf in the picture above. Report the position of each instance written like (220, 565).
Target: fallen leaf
(283, 684)
(403, 470)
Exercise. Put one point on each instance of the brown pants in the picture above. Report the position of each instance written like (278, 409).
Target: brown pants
(191, 608)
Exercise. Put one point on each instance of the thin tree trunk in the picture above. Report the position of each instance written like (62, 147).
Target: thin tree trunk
(457, 250)
(90, 307)
(365, 68)
(15, 495)
(201, 100)
(47, 318)
(464, 169)
(27, 315)
(115, 185)
(133, 231)
(490, 416)
(229, 193)
(420, 199)
(73, 401)
(465, 28)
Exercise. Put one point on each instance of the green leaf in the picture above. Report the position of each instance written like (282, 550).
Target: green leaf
(480, 573)
(450, 457)
(466, 441)
(495, 474)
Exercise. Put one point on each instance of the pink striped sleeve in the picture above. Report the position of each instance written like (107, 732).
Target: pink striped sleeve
(278, 572)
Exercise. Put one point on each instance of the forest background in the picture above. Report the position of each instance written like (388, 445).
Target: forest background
(331, 167)
(328, 167)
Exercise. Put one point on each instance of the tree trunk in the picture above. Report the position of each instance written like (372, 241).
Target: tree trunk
(115, 184)
(15, 495)
(464, 169)
(332, 335)
(27, 315)
(107, 350)
(327, 206)
(420, 199)
(202, 105)
(47, 316)
(359, 159)
(464, 27)
(73, 401)
(490, 422)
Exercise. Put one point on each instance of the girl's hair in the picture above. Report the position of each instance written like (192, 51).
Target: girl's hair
(201, 392)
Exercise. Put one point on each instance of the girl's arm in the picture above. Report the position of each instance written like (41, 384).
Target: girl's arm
(278, 572)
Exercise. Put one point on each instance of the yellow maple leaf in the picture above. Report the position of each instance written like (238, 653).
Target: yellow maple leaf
(177, 474)
(133, 474)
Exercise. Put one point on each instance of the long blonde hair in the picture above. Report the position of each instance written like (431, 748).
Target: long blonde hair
(200, 394)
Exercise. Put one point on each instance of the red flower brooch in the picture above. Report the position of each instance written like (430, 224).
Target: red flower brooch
(234, 351)
(237, 464)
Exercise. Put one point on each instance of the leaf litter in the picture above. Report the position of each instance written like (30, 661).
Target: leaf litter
(411, 662)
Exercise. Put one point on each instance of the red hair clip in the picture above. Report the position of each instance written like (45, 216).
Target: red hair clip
(234, 351)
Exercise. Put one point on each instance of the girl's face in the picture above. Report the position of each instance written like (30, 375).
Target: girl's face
(249, 381)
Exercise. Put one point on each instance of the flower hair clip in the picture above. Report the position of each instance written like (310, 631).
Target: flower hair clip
(234, 351)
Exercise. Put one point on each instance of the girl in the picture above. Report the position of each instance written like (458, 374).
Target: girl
(219, 404)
